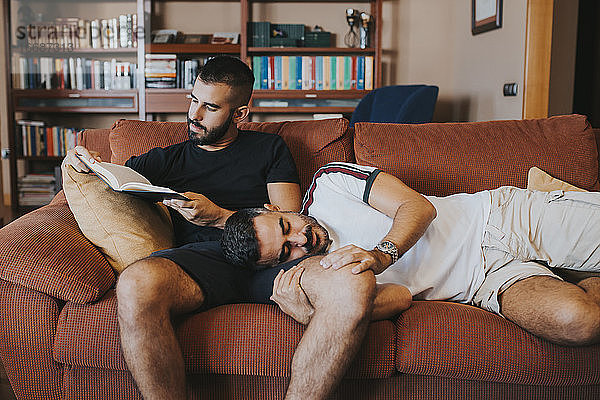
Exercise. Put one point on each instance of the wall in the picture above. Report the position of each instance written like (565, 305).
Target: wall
(433, 44)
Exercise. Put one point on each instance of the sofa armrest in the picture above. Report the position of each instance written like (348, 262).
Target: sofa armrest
(44, 250)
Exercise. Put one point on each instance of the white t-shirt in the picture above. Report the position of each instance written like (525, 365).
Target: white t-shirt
(445, 264)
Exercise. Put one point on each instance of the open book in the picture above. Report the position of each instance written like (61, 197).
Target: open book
(124, 179)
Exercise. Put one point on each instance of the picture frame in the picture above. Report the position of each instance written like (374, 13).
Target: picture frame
(486, 15)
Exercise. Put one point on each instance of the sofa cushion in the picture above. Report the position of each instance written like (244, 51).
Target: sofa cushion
(446, 158)
(131, 137)
(96, 140)
(458, 341)
(125, 228)
(44, 250)
(544, 182)
(241, 339)
(312, 143)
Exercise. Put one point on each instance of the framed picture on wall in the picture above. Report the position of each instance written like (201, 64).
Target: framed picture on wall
(487, 15)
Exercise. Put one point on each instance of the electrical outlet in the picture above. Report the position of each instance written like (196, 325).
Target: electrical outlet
(510, 89)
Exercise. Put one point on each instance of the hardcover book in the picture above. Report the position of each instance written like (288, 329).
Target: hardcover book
(124, 179)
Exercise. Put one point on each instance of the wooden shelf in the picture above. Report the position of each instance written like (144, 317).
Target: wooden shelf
(302, 110)
(70, 92)
(90, 101)
(62, 52)
(312, 50)
(40, 158)
(308, 94)
(192, 48)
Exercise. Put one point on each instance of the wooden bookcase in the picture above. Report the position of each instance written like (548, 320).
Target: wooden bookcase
(144, 103)
(158, 102)
(36, 31)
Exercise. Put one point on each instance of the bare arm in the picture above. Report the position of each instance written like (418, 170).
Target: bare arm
(285, 195)
(390, 299)
(202, 211)
(411, 212)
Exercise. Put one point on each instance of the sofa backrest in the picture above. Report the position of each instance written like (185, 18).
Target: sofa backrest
(446, 158)
(312, 143)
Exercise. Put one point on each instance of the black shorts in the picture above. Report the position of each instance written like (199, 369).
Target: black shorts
(221, 282)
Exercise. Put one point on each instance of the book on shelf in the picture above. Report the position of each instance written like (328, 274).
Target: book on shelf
(36, 189)
(313, 72)
(69, 33)
(169, 71)
(34, 138)
(72, 73)
(124, 179)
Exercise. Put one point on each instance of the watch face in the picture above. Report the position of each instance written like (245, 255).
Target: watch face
(388, 248)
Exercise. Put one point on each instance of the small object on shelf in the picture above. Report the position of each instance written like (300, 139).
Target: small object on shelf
(364, 29)
(286, 35)
(352, 17)
(165, 36)
(317, 38)
(225, 38)
(196, 38)
(259, 34)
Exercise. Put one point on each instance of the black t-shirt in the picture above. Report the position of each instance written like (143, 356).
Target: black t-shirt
(232, 178)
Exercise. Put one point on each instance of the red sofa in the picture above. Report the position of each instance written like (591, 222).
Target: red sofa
(58, 326)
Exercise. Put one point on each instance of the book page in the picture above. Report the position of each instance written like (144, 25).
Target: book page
(122, 175)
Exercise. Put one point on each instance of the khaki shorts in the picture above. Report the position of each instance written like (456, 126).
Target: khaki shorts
(529, 230)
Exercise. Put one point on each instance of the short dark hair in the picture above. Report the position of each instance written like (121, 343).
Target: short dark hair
(231, 71)
(239, 242)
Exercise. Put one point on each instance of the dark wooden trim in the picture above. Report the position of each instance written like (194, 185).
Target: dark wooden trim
(14, 196)
(302, 110)
(305, 94)
(192, 48)
(310, 50)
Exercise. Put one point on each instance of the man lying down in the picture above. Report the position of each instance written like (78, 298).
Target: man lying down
(491, 249)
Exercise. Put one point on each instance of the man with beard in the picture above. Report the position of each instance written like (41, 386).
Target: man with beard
(220, 169)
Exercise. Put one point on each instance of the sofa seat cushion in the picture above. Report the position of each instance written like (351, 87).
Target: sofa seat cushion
(44, 250)
(445, 158)
(458, 341)
(242, 339)
(312, 143)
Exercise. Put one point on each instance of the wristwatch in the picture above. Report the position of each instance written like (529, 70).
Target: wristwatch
(390, 248)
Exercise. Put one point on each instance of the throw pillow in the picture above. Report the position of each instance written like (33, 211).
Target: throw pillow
(544, 182)
(123, 227)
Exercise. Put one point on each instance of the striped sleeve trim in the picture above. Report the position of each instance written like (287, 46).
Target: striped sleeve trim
(353, 170)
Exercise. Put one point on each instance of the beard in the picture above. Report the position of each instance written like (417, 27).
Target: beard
(320, 242)
(209, 137)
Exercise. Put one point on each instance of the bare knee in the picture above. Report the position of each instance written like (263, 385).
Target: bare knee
(579, 323)
(339, 291)
(141, 287)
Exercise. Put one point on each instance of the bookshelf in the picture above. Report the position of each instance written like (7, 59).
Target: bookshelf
(306, 101)
(36, 95)
(70, 62)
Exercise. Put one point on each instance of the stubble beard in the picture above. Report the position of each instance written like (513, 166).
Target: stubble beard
(209, 137)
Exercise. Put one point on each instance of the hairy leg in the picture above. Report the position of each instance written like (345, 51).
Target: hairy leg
(149, 293)
(343, 304)
(591, 287)
(390, 300)
(558, 311)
